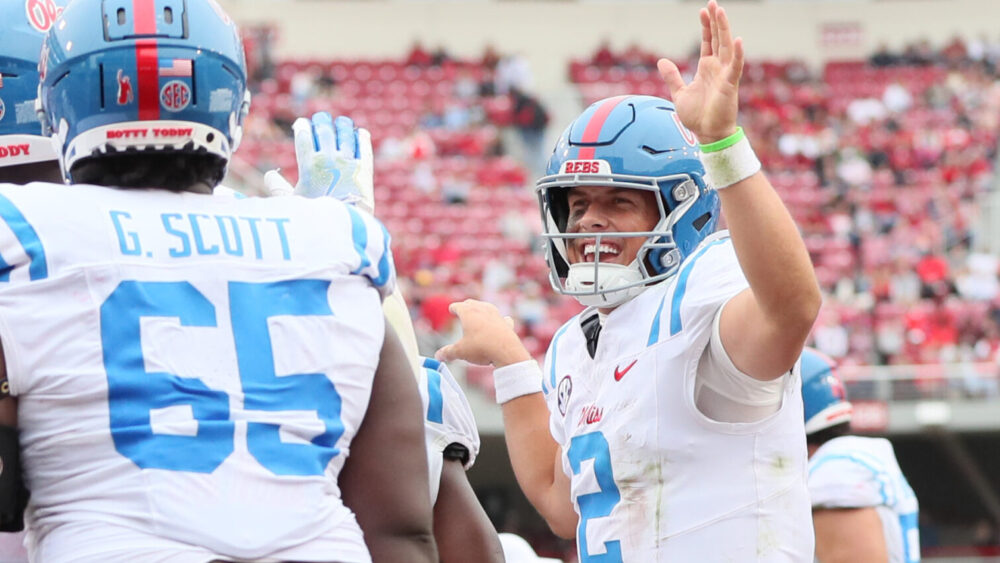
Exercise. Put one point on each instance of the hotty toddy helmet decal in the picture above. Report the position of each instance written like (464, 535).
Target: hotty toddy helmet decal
(159, 67)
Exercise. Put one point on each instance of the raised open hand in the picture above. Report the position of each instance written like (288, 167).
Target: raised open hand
(708, 106)
(335, 160)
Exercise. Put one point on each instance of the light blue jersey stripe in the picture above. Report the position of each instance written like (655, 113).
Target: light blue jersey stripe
(435, 401)
(654, 331)
(26, 235)
(870, 465)
(359, 234)
(675, 303)
(385, 262)
(553, 347)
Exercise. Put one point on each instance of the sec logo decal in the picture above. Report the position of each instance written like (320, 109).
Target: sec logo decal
(563, 394)
(175, 96)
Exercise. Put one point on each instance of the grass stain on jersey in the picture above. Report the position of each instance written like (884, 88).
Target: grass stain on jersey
(781, 465)
(656, 470)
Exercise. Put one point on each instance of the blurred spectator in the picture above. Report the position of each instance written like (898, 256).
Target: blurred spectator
(440, 56)
(830, 336)
(303, 87)
(897, 98)
(863, 111)
(603, 57)
(258, 44)
(635, 57)
(854, 169)
(933, 271)
(919, 53)
(513, 72)
(530, 120)
(978, 280)
(418, 56)
(490, 58)
(883, 56)
(466, 87)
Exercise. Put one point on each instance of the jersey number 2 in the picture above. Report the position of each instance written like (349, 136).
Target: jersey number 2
(133, 392)
(595, 505)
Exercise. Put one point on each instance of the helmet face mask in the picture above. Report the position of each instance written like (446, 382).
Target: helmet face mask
(632, 142)
(158, 76)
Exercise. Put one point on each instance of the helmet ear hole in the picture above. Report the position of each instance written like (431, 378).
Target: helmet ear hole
(700, 222)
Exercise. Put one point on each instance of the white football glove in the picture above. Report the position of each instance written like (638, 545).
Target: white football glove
(335, 159)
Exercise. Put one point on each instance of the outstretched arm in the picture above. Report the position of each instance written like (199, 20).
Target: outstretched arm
(489, 339)
(784, 299)
(385, 479)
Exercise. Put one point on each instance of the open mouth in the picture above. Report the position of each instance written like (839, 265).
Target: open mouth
(607, 251)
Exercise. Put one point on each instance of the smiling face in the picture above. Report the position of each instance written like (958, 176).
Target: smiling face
(601, 209)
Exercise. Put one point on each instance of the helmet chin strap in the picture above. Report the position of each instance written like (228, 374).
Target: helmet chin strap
(610, 289)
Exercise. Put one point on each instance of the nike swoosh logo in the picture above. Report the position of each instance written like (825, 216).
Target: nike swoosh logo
(620, 373)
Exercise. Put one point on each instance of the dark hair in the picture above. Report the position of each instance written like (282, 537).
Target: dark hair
(45, 171)
(174, 170)
(825, 435)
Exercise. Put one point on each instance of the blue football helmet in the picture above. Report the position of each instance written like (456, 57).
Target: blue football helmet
(635, 142)
(143, 75)
(823, 394)
(25, 23)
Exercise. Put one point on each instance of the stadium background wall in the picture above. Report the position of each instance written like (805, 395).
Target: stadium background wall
(550, 33)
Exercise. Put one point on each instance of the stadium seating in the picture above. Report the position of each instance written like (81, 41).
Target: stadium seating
(882, 167)
(837, 148)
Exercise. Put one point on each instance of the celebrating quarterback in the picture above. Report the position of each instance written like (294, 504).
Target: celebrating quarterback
(666, 423)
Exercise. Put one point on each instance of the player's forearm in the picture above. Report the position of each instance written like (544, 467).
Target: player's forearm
(418, 547)
(849, 535)
(772, 254)
(385, 480)
(461, 527)
(533, 454)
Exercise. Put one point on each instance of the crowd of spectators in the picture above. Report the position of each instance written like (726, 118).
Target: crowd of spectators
(885, 164)
(452, 187)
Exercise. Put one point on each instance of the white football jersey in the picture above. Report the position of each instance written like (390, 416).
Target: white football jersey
(190, 370)
(652, 478)
(448, 419)
(857, 472)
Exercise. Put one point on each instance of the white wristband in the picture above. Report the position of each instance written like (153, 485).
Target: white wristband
(517, 380)
(730, 165)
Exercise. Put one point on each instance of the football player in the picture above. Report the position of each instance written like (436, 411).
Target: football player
(25, 154)
(195, 381)
(335, 160)
(863, 508)
(666, 423)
